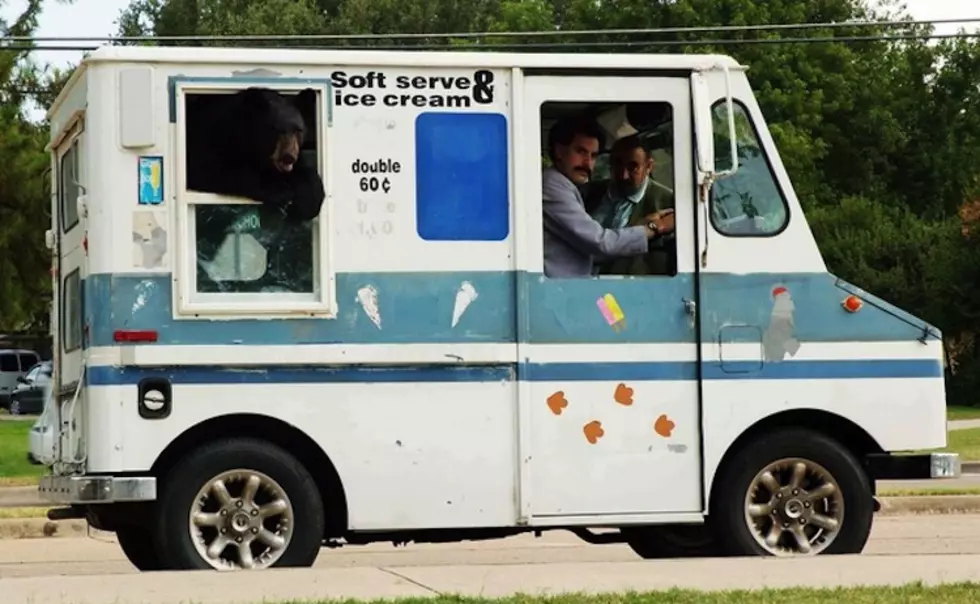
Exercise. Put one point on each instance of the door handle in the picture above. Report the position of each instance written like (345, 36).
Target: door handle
(690, 306)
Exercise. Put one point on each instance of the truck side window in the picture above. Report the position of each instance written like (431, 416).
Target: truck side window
(243, 246)
(251, 248)
(71, 318)
(632, 177)
(749, 203)
(68, 190)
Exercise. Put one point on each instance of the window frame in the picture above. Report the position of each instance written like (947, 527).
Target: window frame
(605, 153)
(67, 336)
(69, 143)
(738, 104)
(188, 302)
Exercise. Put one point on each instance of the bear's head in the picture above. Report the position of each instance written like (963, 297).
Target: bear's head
(276, 128)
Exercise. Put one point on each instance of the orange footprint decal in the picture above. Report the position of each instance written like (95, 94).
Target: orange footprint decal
(664, 426)
(623, 395)
(593, 431)
(557, 402)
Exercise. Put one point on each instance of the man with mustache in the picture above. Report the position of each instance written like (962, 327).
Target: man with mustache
(573, 240)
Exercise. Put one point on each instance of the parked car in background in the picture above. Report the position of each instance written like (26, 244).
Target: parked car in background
(40, 440)
(28, 397)
(14, 363)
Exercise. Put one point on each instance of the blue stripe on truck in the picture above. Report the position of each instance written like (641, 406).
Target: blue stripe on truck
(534, 372)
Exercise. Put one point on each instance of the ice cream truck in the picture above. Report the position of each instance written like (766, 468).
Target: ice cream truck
(237, 389)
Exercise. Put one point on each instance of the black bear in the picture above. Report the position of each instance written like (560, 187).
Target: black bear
(250, 144)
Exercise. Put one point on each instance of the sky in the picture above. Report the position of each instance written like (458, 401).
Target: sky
(98, 18)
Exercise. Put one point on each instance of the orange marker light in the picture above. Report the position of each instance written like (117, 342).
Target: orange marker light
(852, 304)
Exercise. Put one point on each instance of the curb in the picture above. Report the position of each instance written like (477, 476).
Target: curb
(929, 504)
(40, 528)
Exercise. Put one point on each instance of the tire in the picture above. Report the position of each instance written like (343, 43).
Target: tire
(672, 541)
(275, 475)
(137, 543)
(848, 503)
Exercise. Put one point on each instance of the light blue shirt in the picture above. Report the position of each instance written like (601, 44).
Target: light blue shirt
(614, 211)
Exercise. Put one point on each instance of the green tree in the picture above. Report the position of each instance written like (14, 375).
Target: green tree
(25, 282)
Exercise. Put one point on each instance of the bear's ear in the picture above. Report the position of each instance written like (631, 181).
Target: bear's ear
(305, 98)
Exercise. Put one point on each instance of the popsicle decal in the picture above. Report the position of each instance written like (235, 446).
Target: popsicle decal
(611, 312)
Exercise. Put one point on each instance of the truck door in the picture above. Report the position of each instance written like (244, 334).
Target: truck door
(68, 296)
(610, 413)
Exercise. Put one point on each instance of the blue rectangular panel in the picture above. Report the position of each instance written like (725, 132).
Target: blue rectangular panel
(461, 177)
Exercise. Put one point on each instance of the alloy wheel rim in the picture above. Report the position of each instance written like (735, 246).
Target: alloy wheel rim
(794, 507)
(241, 519)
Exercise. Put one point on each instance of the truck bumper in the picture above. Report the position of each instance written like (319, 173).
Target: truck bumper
(913, 467)
(96, 489)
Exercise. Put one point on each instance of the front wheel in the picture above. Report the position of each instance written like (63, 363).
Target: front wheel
(793, 493)
(240, 503)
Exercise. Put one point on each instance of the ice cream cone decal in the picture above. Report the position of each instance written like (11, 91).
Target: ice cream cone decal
(464, 297)
(367, 296)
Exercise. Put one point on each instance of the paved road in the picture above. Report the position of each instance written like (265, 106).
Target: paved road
(892, 535)
(904, 548)
(963, 424)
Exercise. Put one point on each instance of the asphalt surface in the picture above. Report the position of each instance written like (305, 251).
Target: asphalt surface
(932, 548)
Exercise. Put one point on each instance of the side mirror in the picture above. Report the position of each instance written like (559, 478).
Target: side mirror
(22, 380)
(703, 131)
(704, 128)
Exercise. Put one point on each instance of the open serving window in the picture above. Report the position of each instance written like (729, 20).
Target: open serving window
(239, 257)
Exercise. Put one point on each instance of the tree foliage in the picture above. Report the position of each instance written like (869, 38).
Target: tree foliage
(881, 138)
(25, 282)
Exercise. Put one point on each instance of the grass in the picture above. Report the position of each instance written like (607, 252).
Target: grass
(22, 513)
(958, 593)
(15, 470)
(954, 413)
(964, 442)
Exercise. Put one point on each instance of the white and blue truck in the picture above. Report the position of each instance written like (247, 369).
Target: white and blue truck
(233, 390)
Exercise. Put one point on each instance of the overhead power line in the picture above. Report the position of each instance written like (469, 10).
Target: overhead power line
(773, 27)
(576, 45)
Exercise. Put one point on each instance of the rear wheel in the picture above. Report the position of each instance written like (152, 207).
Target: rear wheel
(672, 541)
(240, 503)
(792, 493)
(137, 543)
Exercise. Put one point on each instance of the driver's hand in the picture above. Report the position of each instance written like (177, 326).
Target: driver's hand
(663, 219)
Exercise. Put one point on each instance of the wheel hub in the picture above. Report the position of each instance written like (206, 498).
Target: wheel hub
(795, 507)
(241, 522)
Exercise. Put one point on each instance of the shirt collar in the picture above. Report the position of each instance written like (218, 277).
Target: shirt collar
(633, 198)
